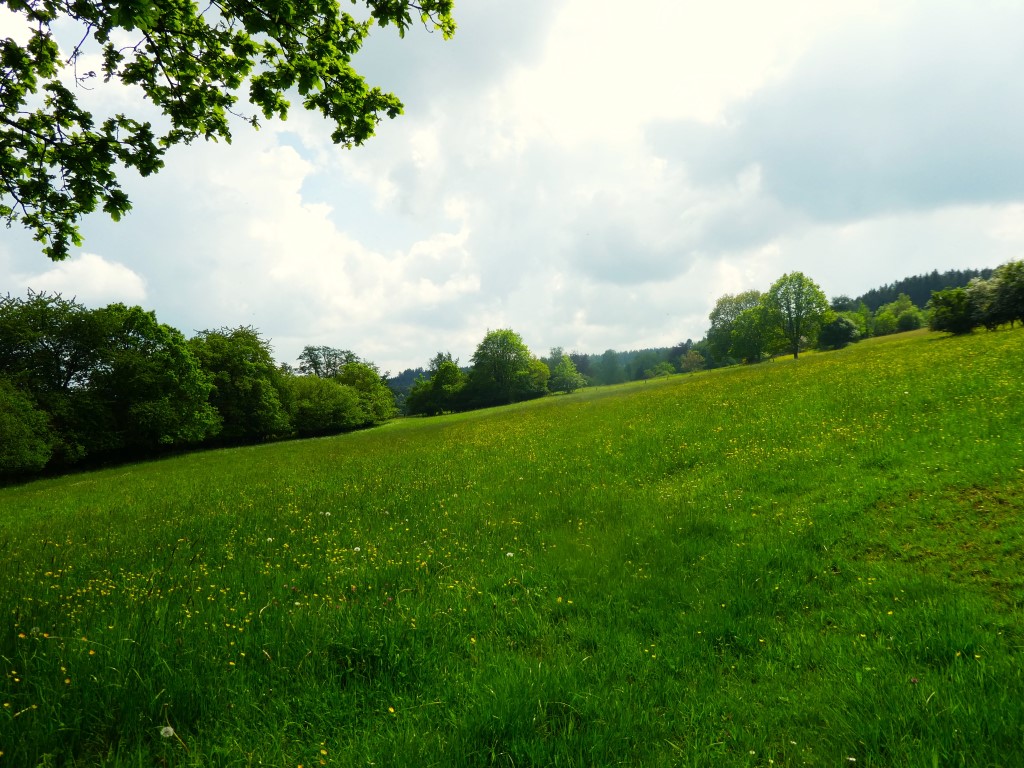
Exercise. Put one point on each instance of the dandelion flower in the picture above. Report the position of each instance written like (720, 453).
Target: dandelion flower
(167, 732)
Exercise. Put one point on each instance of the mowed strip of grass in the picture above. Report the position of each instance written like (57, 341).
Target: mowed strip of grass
(813, 562)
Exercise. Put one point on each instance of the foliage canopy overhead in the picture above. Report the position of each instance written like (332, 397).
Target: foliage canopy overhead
(59, 162)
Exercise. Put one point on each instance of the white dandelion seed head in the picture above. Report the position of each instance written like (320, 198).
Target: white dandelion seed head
(356, 549)
(509, 554)
(167, 732)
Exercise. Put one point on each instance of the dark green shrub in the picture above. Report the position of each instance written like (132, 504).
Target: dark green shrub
(837, 333)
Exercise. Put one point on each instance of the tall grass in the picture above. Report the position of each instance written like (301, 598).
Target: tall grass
(813, 562)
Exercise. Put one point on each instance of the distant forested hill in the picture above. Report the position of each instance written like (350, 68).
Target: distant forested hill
(920, 287)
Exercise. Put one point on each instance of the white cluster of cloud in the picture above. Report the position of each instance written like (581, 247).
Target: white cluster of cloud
(87, 278)
(590, 174)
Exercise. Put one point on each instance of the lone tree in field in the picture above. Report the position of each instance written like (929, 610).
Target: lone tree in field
(797, 306)
(59, 162)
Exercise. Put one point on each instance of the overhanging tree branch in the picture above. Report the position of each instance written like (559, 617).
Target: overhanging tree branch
(56, 166)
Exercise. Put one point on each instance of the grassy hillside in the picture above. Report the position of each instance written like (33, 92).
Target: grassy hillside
(813, 562)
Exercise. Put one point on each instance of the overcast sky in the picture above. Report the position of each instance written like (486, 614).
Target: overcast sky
(591, 174)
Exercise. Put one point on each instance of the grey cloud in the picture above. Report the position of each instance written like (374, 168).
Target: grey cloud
(747, 222)
(926, 114)
(702, 153)
(490, 37)
(613, 251)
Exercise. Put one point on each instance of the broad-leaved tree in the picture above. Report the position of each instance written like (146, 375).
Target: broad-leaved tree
(192, 61)
(797, 307)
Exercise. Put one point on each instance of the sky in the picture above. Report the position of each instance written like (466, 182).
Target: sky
(591, 174)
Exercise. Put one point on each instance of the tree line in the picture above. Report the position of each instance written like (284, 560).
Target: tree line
(792, 316)
(752, 326)
(502, 371)
(981, 303)
(82, 386)
(748, 327)
(579, 369)
(919, 288)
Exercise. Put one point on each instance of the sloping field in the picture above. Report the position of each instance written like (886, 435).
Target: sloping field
(815, 562)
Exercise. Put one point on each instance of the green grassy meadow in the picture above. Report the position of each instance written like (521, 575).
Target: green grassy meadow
(816, 562)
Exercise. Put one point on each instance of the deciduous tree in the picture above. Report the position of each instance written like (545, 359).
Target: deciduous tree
(502, 369)
(755, 335)
(149, 385)
(610, 369)
(950, 310)
(61, 162)
(325, 362)
(897, 316)
(376, 399)
(797, 307)
(533, 382)
(982, 296)
(441, 390)
(26, 442)
(565, 377)
(322, 406)
(112, 380)
(837, 333)
(691, 362)
(723, 316)
(1009, 301)
(246, 382)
